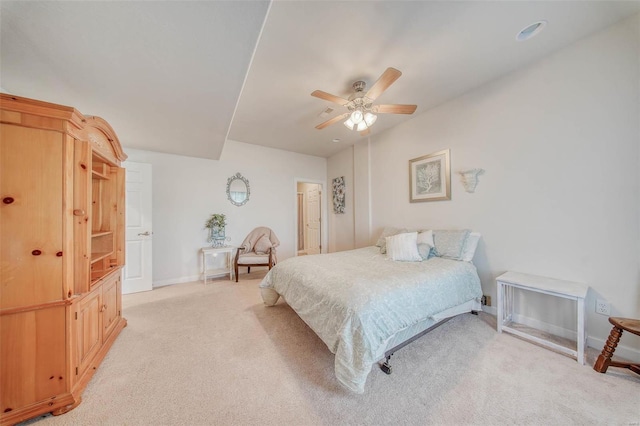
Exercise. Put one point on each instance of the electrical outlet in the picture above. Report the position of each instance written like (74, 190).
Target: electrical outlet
(603, 307)
(486, 300)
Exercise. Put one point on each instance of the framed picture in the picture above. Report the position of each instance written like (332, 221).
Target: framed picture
(430, 177)
(338, 195)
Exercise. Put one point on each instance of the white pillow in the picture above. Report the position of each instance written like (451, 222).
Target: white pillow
(387, 232)
(262, 245)
(470, 246)
(425, 237)
(403, 247)
(425, 243)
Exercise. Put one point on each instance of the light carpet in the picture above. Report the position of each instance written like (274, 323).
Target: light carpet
(215, 355)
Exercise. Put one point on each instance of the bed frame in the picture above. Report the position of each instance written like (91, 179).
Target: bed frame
(385, 366)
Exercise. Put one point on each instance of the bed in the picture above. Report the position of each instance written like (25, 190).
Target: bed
(361, 304)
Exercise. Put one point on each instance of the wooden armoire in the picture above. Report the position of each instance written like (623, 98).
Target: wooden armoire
(61, 254)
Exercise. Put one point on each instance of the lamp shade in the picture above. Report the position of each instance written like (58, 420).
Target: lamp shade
(356, 116)
(370, 119)
(362, 126)
(349, 124)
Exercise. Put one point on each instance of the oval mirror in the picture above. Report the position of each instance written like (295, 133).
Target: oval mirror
(238, 190)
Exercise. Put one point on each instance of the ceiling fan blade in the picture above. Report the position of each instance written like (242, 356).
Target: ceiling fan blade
(329, 97)
(365, 132)
(386, 79)
(332, 120)
(395, 109)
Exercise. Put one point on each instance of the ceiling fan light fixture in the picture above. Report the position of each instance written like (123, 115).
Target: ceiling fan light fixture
(356, 116)
(349, 124)
(370, 119)
(361, 111)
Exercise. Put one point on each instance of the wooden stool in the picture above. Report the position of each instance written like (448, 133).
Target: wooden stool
(604, 360)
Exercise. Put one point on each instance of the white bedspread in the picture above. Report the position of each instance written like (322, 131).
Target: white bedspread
(356, 300)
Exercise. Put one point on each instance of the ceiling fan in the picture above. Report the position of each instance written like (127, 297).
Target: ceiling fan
(362, 112)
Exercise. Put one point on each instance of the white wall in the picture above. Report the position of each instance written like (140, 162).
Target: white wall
(362, 193)
(341, 226)
(353, 228)
(187, 190)
(561, 194)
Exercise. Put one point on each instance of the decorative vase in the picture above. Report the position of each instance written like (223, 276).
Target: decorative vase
(216, 236)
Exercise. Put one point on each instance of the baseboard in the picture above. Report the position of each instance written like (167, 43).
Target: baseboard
(622, 351)
(180, 280)
(544, 326)
(490, 310)
(192, 278)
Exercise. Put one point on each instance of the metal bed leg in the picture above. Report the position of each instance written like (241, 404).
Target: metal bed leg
(385, 366)
(474, 312)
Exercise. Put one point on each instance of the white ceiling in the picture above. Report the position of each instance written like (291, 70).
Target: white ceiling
(182, 77)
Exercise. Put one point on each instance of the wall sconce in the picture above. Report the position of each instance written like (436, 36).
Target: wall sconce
(469, 179)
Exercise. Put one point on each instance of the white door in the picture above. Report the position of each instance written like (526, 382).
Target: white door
(313, 219)
(138, 267)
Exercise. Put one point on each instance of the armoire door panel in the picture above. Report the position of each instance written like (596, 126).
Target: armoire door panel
(88, 326)
(32, 350)
(109, 305)
(81, 212)
(31, 187)
(119, 216)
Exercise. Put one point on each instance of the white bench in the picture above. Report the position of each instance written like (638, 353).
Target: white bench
(559, 288)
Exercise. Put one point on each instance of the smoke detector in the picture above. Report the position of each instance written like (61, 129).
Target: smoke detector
(531, 30)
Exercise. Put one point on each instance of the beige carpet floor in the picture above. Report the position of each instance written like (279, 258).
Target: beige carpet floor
(215, 355)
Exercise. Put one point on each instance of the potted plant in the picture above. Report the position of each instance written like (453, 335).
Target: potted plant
(216, 225)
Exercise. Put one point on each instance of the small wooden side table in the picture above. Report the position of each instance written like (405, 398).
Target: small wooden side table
(559, 288)
(226, 251)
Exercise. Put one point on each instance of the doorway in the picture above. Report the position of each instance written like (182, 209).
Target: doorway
(309, 218)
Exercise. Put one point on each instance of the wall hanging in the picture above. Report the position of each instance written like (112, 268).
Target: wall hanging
(469, 179)
(238, 190)
(338, 195)
(430, 177)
